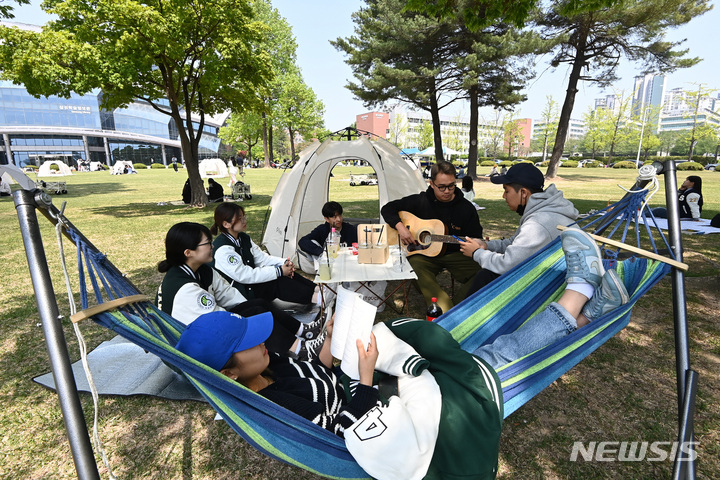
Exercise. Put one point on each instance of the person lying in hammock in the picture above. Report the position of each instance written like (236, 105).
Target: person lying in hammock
(191, 287)
(442, 421)
(253, 272)
(591, 292)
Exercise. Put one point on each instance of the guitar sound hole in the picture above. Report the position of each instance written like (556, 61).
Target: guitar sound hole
(425, 238)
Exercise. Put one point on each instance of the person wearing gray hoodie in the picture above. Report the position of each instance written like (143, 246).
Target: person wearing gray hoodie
(541, 211)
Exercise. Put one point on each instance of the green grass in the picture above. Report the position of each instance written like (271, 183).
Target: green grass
(625, 391)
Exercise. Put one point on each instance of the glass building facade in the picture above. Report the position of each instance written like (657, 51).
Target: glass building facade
(79, 130)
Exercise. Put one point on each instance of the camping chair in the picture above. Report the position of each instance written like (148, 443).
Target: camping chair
(285, 436)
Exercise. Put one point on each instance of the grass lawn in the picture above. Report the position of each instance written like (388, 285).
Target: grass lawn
(623, 392)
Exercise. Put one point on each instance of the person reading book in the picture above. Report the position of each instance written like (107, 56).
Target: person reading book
(410, 431)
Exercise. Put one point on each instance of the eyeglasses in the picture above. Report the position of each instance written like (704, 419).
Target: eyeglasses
(444, 188)
(203, 244)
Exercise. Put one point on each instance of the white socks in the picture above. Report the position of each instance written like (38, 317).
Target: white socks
(583, 288)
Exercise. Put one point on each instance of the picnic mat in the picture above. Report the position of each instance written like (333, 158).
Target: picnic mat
(122, 368)
(700, 227)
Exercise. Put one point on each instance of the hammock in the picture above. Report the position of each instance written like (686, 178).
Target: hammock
(499, 308)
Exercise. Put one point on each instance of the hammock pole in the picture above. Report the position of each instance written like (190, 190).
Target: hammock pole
(682, 348)
(26, 203)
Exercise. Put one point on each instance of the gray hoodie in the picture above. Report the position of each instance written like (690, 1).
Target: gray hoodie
(538, 227)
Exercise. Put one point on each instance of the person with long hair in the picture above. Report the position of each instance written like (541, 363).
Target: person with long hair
(690, 200)
(191, 287)
(253, 272)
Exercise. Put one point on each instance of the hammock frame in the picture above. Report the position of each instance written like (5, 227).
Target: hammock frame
(28, 202)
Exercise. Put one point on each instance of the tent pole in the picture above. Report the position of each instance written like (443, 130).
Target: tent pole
(83, 456)
(682, 348)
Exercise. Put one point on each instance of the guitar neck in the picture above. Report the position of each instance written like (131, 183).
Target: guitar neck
(444, 238)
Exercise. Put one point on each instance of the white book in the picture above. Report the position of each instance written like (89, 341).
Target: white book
(354, 319)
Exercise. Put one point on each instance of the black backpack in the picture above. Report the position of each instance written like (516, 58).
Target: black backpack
(715, 222)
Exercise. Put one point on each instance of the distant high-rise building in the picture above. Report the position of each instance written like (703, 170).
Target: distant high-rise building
(608, 102)
(649, 91)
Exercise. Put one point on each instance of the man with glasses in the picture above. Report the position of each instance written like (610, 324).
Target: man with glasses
(444, 202)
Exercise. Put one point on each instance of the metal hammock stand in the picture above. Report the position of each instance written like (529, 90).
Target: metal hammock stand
(28, 202)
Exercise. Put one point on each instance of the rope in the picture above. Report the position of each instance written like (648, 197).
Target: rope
(81, 342)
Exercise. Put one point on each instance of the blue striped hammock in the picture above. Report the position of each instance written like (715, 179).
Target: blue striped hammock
(499, 308)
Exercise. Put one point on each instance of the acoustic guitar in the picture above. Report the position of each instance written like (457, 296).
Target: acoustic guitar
(431, 235)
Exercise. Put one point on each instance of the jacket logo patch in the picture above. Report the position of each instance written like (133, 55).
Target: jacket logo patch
(370, 426)
(206, 302)
(233, 260)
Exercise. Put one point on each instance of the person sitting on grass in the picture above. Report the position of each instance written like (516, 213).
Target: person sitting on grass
(191, 287)
(591, 292)
(215, 191)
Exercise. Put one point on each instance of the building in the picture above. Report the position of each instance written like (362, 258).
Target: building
(682, 109)
(403, 128)
(78, 129)
(608, 102)
(376, 123)
(649, 91)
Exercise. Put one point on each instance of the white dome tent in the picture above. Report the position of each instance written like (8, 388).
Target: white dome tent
(213, 168)
(301, 193)
(45, 169)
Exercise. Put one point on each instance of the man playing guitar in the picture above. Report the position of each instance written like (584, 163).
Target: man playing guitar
(444, 202)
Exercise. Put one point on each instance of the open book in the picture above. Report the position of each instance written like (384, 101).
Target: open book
(354, 318)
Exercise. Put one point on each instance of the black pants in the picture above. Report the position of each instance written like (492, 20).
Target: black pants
(297, 289)
(482, 278)
(284, 326)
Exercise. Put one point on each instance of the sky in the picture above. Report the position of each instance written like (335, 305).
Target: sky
(316, 22)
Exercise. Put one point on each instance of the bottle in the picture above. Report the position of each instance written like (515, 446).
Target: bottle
(333, 243)
(433, 310)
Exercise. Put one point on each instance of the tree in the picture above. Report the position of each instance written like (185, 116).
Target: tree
(548, 126)
(477, 14)
(243, 129)
(398, 130)
(281, 47)
(425, 136)
(594, 39)
(399, 56)
(694, 101)
(669, 139)
(492, 66)
(6, 10)
(299, 110)
(182, 58)
(513, 136)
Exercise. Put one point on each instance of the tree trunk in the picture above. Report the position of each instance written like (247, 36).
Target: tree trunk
(266, 146)
(292, 144)
(437, 133)
(189, 148)
(270, 157)
(569, 103)
(473, 149)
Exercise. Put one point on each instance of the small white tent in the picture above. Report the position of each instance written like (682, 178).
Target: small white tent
(11, 172)
(301, 193)
(46, 171)
(119, 167)
(213, 168)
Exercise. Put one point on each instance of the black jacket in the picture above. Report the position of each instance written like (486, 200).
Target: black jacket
(348, 236)
(458, 215)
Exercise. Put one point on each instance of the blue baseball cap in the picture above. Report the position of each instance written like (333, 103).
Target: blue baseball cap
(524, 174)
(213, 337)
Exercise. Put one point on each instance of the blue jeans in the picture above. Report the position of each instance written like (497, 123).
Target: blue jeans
(545, 328)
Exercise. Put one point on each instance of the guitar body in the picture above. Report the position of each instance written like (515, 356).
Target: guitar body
(425, 233)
